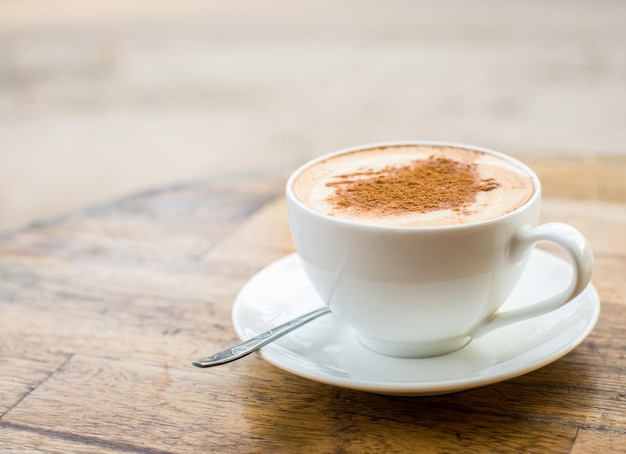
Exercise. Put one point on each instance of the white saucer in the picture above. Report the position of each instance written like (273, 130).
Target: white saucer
(327, 351)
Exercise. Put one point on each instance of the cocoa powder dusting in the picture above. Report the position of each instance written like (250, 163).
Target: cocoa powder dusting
(425, 185)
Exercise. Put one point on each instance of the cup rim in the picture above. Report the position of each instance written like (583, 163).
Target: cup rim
(357, 224)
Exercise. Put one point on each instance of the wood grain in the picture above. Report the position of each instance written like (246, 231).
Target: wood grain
(103, 310)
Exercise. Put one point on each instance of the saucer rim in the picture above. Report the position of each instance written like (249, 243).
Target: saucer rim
(274, 355)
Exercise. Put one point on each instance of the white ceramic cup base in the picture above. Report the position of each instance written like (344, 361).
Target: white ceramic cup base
(414, 350)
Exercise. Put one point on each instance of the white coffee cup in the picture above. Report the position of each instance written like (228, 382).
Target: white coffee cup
(426, 291)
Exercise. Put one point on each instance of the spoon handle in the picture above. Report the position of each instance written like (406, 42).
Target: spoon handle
(252, 345)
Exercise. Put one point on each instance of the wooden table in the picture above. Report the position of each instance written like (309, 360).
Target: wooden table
(103, 310)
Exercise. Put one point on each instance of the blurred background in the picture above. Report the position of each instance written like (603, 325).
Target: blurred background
(102, 99)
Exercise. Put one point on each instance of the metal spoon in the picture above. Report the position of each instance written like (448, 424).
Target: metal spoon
(252, 345)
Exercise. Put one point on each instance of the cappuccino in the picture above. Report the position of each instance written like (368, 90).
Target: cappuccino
(414, 185)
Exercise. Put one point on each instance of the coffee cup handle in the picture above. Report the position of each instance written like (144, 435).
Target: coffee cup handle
(579, 252)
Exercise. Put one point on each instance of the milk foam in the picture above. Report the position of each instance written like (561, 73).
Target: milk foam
(515, 186)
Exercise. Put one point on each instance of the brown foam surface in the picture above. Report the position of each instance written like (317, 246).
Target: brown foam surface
(316, 185)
